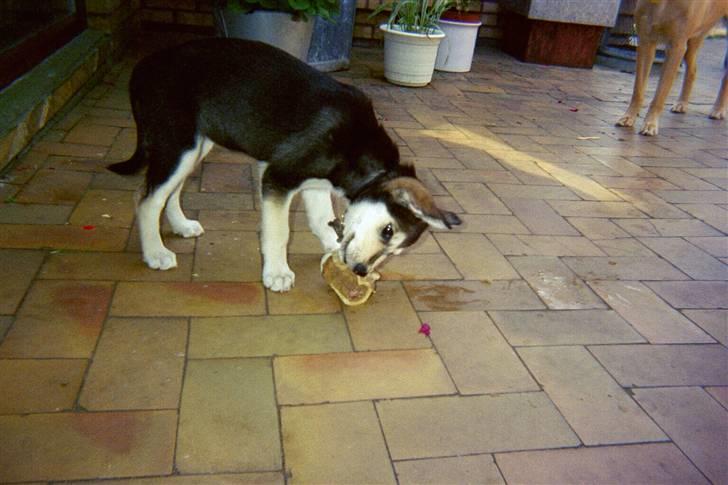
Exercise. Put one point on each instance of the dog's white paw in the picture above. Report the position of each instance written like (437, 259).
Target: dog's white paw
(279, 279)
(649, 129)
(161, 259)
(189, 228)
(679, 107)
(718, 114)
(626, 120)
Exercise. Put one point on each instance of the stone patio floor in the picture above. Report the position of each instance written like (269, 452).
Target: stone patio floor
(578, 316)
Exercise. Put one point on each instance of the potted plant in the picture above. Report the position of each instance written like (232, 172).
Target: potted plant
(285, 24)
(411, 37)
(461, 25)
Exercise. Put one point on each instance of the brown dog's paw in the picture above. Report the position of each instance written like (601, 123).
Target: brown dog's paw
(717, 114)
(679, 107)
(649, 129)
(626, 120)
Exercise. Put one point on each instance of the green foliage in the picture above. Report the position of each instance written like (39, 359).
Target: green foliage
(303, 9)
(417, 16)
(466, 5)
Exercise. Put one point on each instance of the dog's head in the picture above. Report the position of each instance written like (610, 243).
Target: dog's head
(385, 220)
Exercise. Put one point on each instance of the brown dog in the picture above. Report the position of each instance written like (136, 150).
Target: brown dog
(682, 25)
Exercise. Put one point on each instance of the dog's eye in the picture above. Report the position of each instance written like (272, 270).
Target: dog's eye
(387, 233)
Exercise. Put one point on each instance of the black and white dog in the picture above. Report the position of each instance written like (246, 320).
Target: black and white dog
(312, 134)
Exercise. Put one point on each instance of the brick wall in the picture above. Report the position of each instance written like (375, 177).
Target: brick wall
(365, 29)
(179, 15)
(195, 16)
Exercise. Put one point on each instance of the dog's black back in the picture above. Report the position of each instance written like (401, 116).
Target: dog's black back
(254, 98)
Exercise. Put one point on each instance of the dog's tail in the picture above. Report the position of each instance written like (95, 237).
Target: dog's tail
(129, 167)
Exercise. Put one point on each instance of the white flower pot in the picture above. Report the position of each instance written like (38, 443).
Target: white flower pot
(409, 58)
(455, 53)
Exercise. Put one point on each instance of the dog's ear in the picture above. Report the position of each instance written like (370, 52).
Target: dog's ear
(411, 193)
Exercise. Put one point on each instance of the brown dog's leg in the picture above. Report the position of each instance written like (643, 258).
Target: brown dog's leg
(721, 102)
(691, 68)
(645, 57)
(669, 69)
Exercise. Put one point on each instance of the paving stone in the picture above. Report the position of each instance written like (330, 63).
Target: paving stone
(598, 410)
(597, 228)
(540, 218)
(511, 245)
(650, 204)
(36, 386)
(114, 208)
(34, 214)
(173, 242)
(461, 469)
(478, 358)
(695, 422)
(643, 463)
(267, 335)
(715, 246)
(666, 227)
(692, 294)
(228, 419)
(23, 236)
(226, 177)
(226, 220)
(693, 196)
(138, 364)
(426, 244)
(411, 266)
(472, 295)
(623, 248)
(648, 314)
(55, 187)
(583, 186)
(462, 425)
(309, 379)
(385, 322)
(58, 319)
(475, 257)
(19, 268)
(228, 256)
(493, 224)
(5, 323)
(196, 299)
(665, 365)
(335, 443)
(543, 192)
(715, 322)
(303, 242)
(495, 174)
(66, 446)
(711, 214)
(573, 327)
(110, 267)
(557, 286)
(217, 201)
(311, 293)
(262, 478)
(476, 198)
(623, 268)
(595, 209)
(681, 178)
(89, 134)
(691, 260)
(720, 394)
(77, 150)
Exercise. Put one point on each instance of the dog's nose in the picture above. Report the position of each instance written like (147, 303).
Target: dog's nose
(360, 269)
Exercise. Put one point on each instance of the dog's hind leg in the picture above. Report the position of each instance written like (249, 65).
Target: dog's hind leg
(691, 68)
(155, 254)
(173, 210)
(675, 55)
(320, 212)
(720, 108)
(277, 275)
(645, 58)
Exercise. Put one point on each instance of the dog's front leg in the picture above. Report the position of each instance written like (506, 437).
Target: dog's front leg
(721, 102)
(320, 212)
(645, 58)
(277, 276)
(691, 68)
(675, 55)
